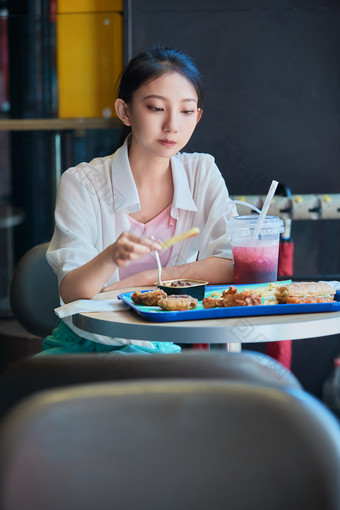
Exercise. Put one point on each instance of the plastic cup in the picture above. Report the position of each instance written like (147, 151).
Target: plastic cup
(255, 258)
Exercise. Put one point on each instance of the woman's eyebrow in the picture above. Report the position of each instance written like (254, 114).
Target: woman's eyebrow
(156, 96)
(153, 96)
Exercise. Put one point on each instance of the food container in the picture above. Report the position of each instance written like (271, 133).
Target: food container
(194, 288)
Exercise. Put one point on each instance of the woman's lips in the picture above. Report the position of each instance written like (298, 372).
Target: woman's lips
(167, 143)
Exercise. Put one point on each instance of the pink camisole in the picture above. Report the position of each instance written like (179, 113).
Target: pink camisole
(161, 227)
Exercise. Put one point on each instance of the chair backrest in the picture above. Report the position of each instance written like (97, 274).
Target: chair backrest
(153, 445)
(34, 292)
(31, 375)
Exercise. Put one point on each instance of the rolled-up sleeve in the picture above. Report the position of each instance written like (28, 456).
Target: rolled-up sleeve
(74, 241)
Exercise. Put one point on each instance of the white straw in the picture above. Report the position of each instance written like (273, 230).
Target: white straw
(264, 209)
(241, 202)
(159, 266)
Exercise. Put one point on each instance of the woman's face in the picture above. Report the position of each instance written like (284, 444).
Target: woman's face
(163, 114)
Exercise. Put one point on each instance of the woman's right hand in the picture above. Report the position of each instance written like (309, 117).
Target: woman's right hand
(129, 247)
(87, 280)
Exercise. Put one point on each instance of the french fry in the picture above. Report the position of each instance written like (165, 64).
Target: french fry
(175, 239)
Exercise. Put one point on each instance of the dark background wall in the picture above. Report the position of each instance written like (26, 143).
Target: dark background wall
(271, 71)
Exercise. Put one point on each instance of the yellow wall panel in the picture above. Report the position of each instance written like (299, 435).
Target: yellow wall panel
(89, 5)
(89, 62)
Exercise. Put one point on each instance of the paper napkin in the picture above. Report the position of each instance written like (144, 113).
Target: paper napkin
(90, 305)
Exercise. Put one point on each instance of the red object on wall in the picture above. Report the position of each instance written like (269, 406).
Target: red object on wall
(286, 259)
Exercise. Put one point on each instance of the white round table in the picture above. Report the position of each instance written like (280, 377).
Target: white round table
(227, 331)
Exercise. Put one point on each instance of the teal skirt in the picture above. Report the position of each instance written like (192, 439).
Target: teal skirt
(65, 341)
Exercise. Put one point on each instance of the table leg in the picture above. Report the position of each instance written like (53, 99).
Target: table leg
(234, 347)
(230, 347)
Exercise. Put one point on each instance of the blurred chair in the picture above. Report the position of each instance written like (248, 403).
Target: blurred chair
(34, 292)
(34, 374)
(154, 445)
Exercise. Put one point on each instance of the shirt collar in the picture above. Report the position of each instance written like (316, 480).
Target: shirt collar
(182, 194)
(125, 194)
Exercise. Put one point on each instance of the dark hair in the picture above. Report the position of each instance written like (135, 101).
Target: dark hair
(153, 63)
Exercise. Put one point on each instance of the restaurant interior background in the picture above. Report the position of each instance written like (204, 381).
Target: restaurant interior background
(271, 72)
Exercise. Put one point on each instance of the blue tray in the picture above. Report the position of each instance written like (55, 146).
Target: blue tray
(156, 314)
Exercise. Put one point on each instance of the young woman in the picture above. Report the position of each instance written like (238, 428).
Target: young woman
(109, 211)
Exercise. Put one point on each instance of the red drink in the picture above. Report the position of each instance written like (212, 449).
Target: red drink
(256, 264)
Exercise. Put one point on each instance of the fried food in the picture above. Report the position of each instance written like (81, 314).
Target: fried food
(216, 294)
(231, 297)
(178, 302)
(245, 298)
(267, 293)
(305, 292)
(149, 298)
(212, 302)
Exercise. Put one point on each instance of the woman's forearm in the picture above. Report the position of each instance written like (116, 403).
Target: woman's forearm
(214, 270)
(86, 281)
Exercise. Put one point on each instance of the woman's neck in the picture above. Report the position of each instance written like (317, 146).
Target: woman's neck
(153, 178)
(148, 168)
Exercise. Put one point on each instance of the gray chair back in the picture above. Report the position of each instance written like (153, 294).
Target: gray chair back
(154, 445)
(34, 374)
(34, 292)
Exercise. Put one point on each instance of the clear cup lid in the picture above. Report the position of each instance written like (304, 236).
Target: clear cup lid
(271, 224)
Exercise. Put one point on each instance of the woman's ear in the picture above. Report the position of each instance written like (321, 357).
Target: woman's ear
(122, 111)
(199, 114)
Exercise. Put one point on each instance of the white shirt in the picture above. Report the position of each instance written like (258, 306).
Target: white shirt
(94, 200)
